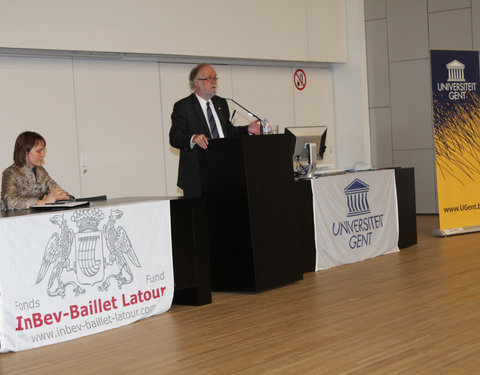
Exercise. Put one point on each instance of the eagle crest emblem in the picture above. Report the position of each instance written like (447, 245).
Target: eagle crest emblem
(78, 259)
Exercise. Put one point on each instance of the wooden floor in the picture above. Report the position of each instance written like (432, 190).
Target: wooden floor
(412, 312)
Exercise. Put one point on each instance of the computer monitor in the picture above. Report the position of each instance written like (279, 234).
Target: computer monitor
(308, 146)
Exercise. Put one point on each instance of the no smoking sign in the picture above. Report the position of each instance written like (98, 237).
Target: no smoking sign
(300, 79)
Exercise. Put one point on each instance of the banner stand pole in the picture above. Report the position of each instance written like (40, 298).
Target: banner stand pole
(453, 231)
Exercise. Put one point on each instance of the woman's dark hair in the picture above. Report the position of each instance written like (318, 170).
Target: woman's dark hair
(24, 143)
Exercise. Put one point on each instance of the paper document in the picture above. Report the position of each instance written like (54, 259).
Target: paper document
(65, 205)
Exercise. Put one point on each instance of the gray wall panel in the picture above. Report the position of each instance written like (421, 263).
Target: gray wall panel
(439, 5)
(451, 30)
(377, 58)
(411, 105)
(407, 29)
(425, 190)
(381, 137)
(375, 9)
(476, 24)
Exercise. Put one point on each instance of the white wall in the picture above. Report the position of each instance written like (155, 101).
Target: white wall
(38, 95)
(104, 105)
(285, 30)
(351, 94)
(107, 122)
(117, 104)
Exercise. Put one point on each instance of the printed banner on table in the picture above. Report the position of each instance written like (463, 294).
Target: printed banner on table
(355, 217)
(456, 119)
(70, 274)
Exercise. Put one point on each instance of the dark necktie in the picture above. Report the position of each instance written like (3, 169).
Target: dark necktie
(211, 121)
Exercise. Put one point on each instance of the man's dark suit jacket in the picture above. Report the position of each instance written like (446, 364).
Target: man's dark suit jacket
(188, 119)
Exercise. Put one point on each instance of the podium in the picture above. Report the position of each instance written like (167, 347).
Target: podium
(249, 188)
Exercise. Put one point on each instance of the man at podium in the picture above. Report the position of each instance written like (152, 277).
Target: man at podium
(198, 118)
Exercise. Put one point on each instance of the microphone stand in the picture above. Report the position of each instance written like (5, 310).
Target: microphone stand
(262, 124)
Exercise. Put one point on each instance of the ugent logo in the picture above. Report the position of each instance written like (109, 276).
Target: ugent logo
(456, 86)
(356, 194)
(358, 230)
(90, 265)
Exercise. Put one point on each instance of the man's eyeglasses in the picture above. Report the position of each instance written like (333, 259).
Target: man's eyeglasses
(209, 79)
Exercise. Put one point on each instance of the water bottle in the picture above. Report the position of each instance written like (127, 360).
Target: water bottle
(266, 126)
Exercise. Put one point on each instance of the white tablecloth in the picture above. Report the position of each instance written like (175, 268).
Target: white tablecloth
(68, 274)
(356, 217)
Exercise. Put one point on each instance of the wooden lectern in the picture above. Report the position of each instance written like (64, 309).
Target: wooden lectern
(249, 187)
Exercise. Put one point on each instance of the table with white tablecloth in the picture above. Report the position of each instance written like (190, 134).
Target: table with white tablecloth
(355, 217)
(70, 273)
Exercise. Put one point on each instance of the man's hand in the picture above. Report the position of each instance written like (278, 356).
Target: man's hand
(254, 127)
(200, 140)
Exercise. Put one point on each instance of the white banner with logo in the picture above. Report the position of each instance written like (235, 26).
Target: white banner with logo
(355, 217)
(68, 274)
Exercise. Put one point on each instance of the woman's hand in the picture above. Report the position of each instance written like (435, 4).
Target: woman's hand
(54, 195)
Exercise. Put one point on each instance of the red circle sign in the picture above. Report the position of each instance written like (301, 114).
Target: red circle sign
(300, 79)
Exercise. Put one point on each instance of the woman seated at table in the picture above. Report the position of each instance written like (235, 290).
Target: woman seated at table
(26, 183)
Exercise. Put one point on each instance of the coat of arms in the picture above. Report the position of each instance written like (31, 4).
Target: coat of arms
(87, 264)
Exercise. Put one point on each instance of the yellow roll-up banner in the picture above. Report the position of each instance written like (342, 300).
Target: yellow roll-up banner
(456, 114)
